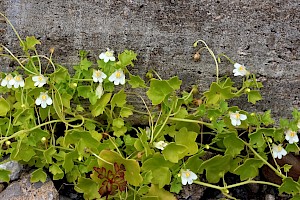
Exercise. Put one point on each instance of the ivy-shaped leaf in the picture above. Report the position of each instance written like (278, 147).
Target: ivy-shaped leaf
(254, 96)
(98, 108)
(38, 175)
(216, 167)
(289, 186)
(136, 81)
(249, 169)
(234, 145)
(158, 91)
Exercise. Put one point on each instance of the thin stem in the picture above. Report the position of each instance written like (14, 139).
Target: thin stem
(266, 162)
(101, 158)
(13, 28)
(190, 120)
(214, 57)
(6, 49)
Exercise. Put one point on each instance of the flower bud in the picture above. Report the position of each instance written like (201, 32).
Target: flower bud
(211, 119)
(51, 50)
(270, 140)
(149, 75)
(195, 89)
(252, 114)
(43, 140)
(73, 85)
(23, 106)
(196, 56)
(79, 158)
(247, 90)
(206, 146)
(7, 143)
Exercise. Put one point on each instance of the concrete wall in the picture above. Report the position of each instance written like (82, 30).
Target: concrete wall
(262, 34)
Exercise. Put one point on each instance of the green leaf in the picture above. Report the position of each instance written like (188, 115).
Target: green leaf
(218, 93)
(161, 176)
(136, 81)
(249, 169)
(266, 118)
(257, 138)
(4, 175)
(173, 152)
(98, 108)
(187, 139)
(4, 107)
(118, 132)
(88, 187)
(158, 91)
(254, 96)
(174, 82)
(132, 173)
(48, 154)
(85, 64)
(30, 43)
(38, 175)
(156, 193)
(234, 145)
(216, 167)
(176, 187)
(66, 98)
(119, 122)
(118, 99)
(60, 75)
(155, 162)
(68, 163)
(56, 171)
(126, 111)
(84, 91)
(289, 186)
(126, 58)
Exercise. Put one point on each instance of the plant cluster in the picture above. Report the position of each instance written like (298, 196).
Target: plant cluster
(75, 126)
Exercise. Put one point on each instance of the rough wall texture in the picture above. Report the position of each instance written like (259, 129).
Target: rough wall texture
(263, 35)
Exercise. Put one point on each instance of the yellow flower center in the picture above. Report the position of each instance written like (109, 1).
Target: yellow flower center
(40, 78)
(109, 54)
(98, 73)
(8, 78)
(279, 148)
(187, 174)
(18, 78)
(44, 97)
(292, 133)
(237, 115)
(118, 74)
(241, 68)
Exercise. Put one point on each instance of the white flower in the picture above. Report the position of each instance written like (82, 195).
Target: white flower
(17, 81)
(99, 91)
(39, 80)
(117, 77)
(298, 125)
(160, 145)
(278, 151)
(187, 176)
(98, 76)
(43, 100)
(6, 80)
(291, 136)
(107, 56)
(239, 70)
(236, 118)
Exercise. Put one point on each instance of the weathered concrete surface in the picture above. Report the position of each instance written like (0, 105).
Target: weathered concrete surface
(263, 35)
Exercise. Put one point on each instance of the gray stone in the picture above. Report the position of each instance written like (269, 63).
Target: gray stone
(24, 190)
(262, 35)
(270, 197)
(14, 167)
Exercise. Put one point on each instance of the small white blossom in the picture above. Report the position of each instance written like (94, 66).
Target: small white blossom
(298, 125)
(118, 77)
(239, 70)
(99, 91)
(40, 80)
(107, 56)
(187, 176)
(160, 145)
(17, 81)
(278, 151)
(98, 76)
(291, 136)
(43, 100)
(236, 118)
(6, 81)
